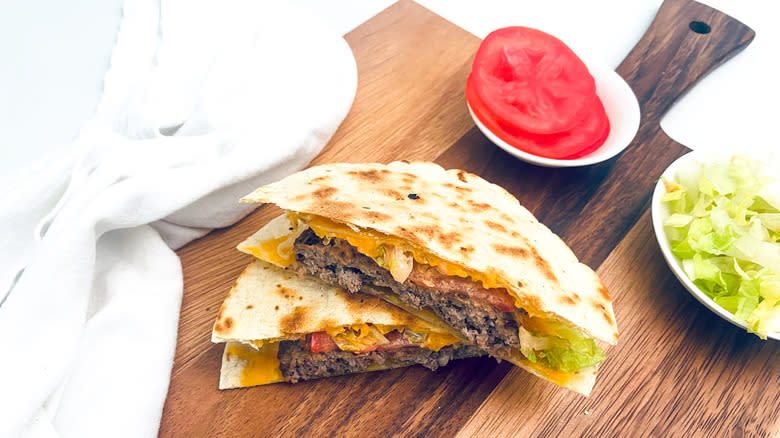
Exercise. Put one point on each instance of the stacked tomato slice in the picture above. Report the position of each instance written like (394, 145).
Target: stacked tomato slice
(533, 92)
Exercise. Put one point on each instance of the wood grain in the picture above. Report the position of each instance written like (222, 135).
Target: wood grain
(677, 370)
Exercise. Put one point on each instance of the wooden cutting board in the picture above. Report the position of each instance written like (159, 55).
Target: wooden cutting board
(678, 369)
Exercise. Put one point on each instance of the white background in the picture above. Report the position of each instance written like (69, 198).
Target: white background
(53, 55)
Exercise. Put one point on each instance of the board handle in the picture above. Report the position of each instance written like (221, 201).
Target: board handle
(685, 41)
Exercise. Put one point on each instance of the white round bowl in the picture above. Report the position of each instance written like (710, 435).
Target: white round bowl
(622, 111)
(660, 212)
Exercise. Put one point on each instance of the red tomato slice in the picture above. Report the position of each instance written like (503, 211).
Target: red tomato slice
(584, 137)
(321, 342)
(532, 81)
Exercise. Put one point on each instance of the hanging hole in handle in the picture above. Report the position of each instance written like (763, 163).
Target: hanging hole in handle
(699, 27)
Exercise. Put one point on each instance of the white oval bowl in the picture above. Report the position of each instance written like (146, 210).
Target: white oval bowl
(660, 212)
(622, 111)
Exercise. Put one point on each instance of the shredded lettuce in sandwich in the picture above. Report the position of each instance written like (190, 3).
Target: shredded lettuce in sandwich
(359, 337)
(724, 226)
(397, 261)
(566, 351)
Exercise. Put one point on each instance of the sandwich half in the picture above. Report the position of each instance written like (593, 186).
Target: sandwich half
(447, 243)
(281, 327)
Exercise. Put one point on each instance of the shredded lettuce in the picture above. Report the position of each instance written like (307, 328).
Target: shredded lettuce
(569, 351)
(724, 226)
(398, 262)
(417, 338)
(360, 336)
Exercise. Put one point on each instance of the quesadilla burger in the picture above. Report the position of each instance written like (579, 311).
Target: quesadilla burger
(445, 242)
(282, 327)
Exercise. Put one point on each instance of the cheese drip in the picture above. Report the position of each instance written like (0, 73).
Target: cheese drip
(437, 341)
(279, 250)
(261, 366)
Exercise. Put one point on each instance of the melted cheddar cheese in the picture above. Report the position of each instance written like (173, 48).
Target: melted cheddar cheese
(278, 250)
(437, 341)
(261, 366)
(272, 251)
(359, 336)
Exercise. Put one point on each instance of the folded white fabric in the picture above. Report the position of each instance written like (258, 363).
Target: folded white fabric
(204, 101)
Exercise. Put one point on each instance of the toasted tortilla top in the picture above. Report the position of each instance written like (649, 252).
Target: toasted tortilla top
(268, 303)
(461, 218)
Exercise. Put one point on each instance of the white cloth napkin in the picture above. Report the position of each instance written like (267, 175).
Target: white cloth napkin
(203, 102)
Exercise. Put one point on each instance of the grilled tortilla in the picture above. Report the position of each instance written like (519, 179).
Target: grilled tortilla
(272, 321)
(447, 240)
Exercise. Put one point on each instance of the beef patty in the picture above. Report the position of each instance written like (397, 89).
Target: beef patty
(339, 263)
(297, 362)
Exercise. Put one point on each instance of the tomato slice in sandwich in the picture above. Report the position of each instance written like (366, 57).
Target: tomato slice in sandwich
(321, 342)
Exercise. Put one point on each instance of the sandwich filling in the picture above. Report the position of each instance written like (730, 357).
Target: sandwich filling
(477, 304)
(464, 305)
(344, 350)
